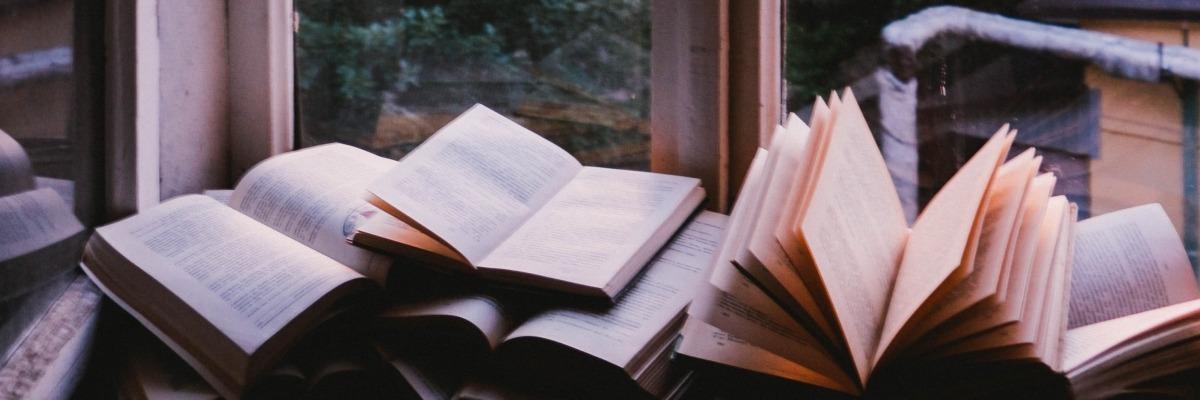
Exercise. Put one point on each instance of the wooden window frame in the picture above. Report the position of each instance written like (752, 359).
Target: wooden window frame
(247, 114)
(715, 82)
(716, 89)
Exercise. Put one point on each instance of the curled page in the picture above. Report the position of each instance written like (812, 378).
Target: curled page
(1127, 262)
(618, 335)
(475, 181)
(315, 196)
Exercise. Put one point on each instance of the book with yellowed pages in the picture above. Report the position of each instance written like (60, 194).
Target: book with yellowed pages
(822, 281)
(1134, 319)
(452, 345)
(485, 195)
(230, 288)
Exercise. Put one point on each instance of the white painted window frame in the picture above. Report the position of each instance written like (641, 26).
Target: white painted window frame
(259, 92)
(715, 79)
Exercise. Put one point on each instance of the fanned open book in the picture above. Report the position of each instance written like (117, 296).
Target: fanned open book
(487, 196)
(231, 288)
(824, 282)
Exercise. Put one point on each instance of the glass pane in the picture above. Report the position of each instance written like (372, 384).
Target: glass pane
(1114, 142)
(37, 88)
(50, 125)
(385, 74)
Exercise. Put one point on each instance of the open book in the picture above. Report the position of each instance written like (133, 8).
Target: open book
(821, 270)
(626, 344)
(1135, 307)
(230, 288)
(492, 197)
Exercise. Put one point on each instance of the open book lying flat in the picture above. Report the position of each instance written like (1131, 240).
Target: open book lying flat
(627, 345)
(486, 195)
(231, 288)
(821, 271)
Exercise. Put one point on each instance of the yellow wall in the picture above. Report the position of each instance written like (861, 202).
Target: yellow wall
(1140, 157)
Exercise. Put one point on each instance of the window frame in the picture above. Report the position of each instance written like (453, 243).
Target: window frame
(715, 83)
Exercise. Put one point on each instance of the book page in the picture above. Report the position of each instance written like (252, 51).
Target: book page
(741, 217)
(387, 227)
(588, 231)
(1126, 262)
(855, 230)
(221, 195)
(1023, 269)
(764, 250)
(1006, 195)
(707, 342)
(16, 172)
(1006, 275)
(1033, 316)
(427, 372)
(245, 278)
(1085, 343)
(617, 335)
(801, 186)
(475, 181)
(484, 312)
(1059, 298)
(735, 305)
(64, 187)
(1036, 203)
(315, 196)
(938, 247)
(755, 197)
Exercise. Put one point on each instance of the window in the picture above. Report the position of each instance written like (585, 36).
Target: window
(48, 89)
(1114, 140)
(385, 74)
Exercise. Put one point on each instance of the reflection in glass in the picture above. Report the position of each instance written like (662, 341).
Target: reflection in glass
(37, 86)
(385, 74)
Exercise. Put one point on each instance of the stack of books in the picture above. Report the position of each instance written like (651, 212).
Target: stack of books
(488, 263)
(540, 260)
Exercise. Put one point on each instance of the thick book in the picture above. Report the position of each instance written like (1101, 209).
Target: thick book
(821, 271)
(231, 287)
(488, 196)
(465, 343)
(1134, 318)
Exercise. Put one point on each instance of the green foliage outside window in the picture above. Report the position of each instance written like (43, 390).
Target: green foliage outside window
(349, 53)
